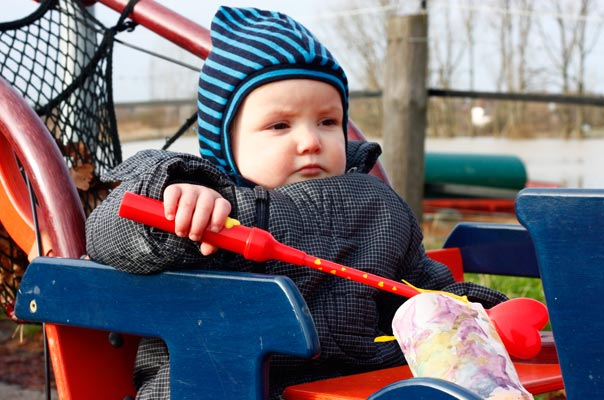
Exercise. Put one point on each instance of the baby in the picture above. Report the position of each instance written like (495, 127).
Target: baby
(273, 111)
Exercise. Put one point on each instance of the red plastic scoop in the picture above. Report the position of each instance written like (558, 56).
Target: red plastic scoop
(518, 321)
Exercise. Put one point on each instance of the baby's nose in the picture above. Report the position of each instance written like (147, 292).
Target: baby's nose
(309, 140)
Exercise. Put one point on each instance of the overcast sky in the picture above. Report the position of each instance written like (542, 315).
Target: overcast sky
(177, 82)
(138, 76)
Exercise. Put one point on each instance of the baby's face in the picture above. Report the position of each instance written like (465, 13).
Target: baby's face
(289, 131)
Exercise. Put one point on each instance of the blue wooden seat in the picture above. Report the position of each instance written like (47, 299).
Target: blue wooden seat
(220, 328)
(567, 228)
(217, 326)
(488, 248)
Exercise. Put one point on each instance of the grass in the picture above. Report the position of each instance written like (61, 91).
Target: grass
(20, 331)
(510, 285)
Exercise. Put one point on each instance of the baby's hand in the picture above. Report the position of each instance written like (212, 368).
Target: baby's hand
(195, 208)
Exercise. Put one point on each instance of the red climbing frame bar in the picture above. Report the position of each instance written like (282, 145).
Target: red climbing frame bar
(168, 24)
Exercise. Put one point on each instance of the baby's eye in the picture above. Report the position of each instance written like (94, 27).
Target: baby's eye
(329, 122)
(279, 125)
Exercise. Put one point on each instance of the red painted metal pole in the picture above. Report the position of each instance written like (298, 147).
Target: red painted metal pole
(168, 24)
(37, 150)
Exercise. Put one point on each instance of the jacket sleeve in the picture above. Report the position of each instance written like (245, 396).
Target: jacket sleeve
(136, 248)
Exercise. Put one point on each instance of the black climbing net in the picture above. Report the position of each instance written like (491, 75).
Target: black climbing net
(59, 58)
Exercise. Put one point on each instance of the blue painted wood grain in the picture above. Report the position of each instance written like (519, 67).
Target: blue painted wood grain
(567, 228)
(494, 248)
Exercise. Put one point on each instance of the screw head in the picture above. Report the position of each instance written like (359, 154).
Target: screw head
(33, 306)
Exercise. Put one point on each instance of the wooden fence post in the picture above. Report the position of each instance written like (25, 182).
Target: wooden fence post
(405, 106)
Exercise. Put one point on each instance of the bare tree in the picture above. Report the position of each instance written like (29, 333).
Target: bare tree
(446, 56)
(361, 27)
(468, 14)
(469, 23)
(503, 24)
(536, 48)
(583, 50)
(525, 25)
(569, 53)
(514, 26)
(522, 80)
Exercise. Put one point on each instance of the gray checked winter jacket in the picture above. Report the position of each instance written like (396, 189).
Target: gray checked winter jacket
(354, 220)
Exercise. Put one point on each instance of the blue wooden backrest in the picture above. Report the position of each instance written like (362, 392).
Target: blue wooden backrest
(220, 328)
(567, 228)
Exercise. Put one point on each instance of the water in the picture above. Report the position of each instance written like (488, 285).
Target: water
(568, 163)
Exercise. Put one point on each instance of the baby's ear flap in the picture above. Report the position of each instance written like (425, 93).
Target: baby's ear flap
(362, 155)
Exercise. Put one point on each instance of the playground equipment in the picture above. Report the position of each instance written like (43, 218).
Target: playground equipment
(92, 345)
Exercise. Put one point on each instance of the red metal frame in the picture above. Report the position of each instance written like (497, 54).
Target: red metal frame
(14, 201)
(470, 205)
(168, 24)
(47, 171)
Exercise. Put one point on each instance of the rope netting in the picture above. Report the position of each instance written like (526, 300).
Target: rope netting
(59, 58)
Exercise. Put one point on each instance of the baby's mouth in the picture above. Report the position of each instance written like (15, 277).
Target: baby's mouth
(310, 170)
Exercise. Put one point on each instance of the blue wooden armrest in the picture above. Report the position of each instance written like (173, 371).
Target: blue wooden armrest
(493, 248)
(567, 227)
(219, 327)
(424, 388)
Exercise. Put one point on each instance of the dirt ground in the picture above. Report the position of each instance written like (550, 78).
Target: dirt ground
(21, 358)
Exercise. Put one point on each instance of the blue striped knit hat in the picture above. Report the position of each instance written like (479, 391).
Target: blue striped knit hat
(250, 48)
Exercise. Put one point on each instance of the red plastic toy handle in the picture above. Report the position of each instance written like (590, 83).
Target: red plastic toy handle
(255, 244)
(520, 336)
(252, 243)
